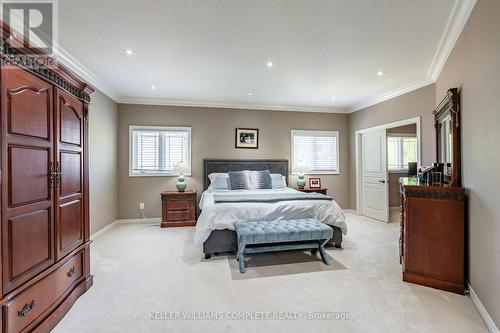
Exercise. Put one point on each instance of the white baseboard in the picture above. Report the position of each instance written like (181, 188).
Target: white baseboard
(103, 230)
(147, 220)
(488, 321)
(351, 211)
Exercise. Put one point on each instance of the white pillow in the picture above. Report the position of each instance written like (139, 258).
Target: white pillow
(278, 181)
(219, 181)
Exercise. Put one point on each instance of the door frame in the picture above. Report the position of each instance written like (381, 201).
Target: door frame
(359, 153)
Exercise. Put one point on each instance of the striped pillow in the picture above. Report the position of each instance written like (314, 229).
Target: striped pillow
(261, 179)
(239, 180)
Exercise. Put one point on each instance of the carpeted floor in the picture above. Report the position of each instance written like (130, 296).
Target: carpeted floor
(148, 279)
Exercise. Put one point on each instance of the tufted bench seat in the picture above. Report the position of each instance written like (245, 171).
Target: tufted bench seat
(270, 236)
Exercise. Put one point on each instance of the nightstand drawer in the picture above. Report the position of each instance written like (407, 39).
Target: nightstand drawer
(179, 215)
(183, 204)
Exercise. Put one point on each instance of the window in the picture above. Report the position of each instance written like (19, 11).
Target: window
(155, 151)
(318, 150)
(400, 151)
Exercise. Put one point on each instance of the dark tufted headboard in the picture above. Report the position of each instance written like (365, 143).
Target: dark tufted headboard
(223, 166)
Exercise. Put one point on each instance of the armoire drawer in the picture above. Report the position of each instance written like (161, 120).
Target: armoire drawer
(30, 305)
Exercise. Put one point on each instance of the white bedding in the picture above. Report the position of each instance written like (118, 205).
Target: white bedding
(218, 216)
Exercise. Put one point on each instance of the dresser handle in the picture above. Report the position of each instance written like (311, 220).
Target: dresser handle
(26, 309)
(71, 272)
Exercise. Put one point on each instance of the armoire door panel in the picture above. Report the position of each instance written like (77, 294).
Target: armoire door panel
(71, 173)
(69, 189)
(29, 250)
(70, 226)
(28, 175)
(29, 104)
(70, 120)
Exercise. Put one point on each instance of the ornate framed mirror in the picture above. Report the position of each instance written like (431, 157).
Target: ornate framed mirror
(447, 124)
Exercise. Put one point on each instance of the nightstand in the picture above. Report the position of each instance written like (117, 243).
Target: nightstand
(309, 190)
(178, 209)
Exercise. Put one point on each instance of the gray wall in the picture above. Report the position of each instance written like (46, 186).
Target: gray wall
(474, 67)
(213, 137)
(418, 103)
(103, 135)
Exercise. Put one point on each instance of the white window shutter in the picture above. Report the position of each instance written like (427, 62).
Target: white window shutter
(319, 150)
(158, 150)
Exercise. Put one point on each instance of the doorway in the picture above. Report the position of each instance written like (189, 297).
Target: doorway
(381, 156)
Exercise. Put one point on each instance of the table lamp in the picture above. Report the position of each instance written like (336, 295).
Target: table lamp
(181, 168)
(301, 168)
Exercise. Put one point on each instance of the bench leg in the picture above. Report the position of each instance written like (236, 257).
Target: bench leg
(321, 248)
(240, 258)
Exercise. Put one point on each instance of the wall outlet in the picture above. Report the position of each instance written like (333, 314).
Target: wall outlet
(141, 205)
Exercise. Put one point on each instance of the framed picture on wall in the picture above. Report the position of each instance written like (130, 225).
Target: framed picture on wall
(247, 138)
(314, 183)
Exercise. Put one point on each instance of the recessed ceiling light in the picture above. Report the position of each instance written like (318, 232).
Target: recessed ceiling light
(270, 64)
(380, 73)
(250, 93)
(128, 51)
(333, 98)
(153, 87)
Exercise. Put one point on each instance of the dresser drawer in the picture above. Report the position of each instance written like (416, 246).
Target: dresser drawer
(30, 306)
(179, 215)
(182, 204)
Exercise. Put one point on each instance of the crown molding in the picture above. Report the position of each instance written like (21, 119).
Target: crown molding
(456, 23)
(393, 93)
(65, 58)
(205, 104)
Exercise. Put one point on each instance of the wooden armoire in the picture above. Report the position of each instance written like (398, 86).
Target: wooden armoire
(44, 189)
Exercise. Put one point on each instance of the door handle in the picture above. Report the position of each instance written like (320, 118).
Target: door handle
(382, 181)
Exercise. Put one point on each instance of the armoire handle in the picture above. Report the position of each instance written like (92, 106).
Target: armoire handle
(26, 309)
(71, 272)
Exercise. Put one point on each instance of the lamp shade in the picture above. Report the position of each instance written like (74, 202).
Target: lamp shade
(301, 167)
(182, 167)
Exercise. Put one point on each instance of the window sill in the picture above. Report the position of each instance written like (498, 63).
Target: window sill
(318, 173)
(157, 175)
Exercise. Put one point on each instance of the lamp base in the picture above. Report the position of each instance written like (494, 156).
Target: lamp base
(301, 181)
(181, 186)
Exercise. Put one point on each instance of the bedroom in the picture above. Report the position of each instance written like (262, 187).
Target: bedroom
(151, 177)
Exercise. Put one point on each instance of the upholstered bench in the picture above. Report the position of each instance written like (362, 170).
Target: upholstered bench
(271, 236)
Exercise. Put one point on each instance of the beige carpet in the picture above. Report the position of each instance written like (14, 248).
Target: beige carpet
(139, 269)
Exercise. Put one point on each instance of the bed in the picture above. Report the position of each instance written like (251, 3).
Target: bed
(215, 226)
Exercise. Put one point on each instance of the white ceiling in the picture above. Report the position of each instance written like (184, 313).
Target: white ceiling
(214, 52)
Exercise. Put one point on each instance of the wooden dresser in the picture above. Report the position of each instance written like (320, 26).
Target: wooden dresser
(178, 209)
(44, 189)
(432, 241)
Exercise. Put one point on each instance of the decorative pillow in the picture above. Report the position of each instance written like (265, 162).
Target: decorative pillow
(239, 180)
(220, 182)
(278, 181)
(261, 179)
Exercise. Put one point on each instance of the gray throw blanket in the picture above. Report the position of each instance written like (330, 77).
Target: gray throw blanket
(268, 197)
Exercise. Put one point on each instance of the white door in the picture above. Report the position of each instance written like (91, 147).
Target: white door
(375, 189)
